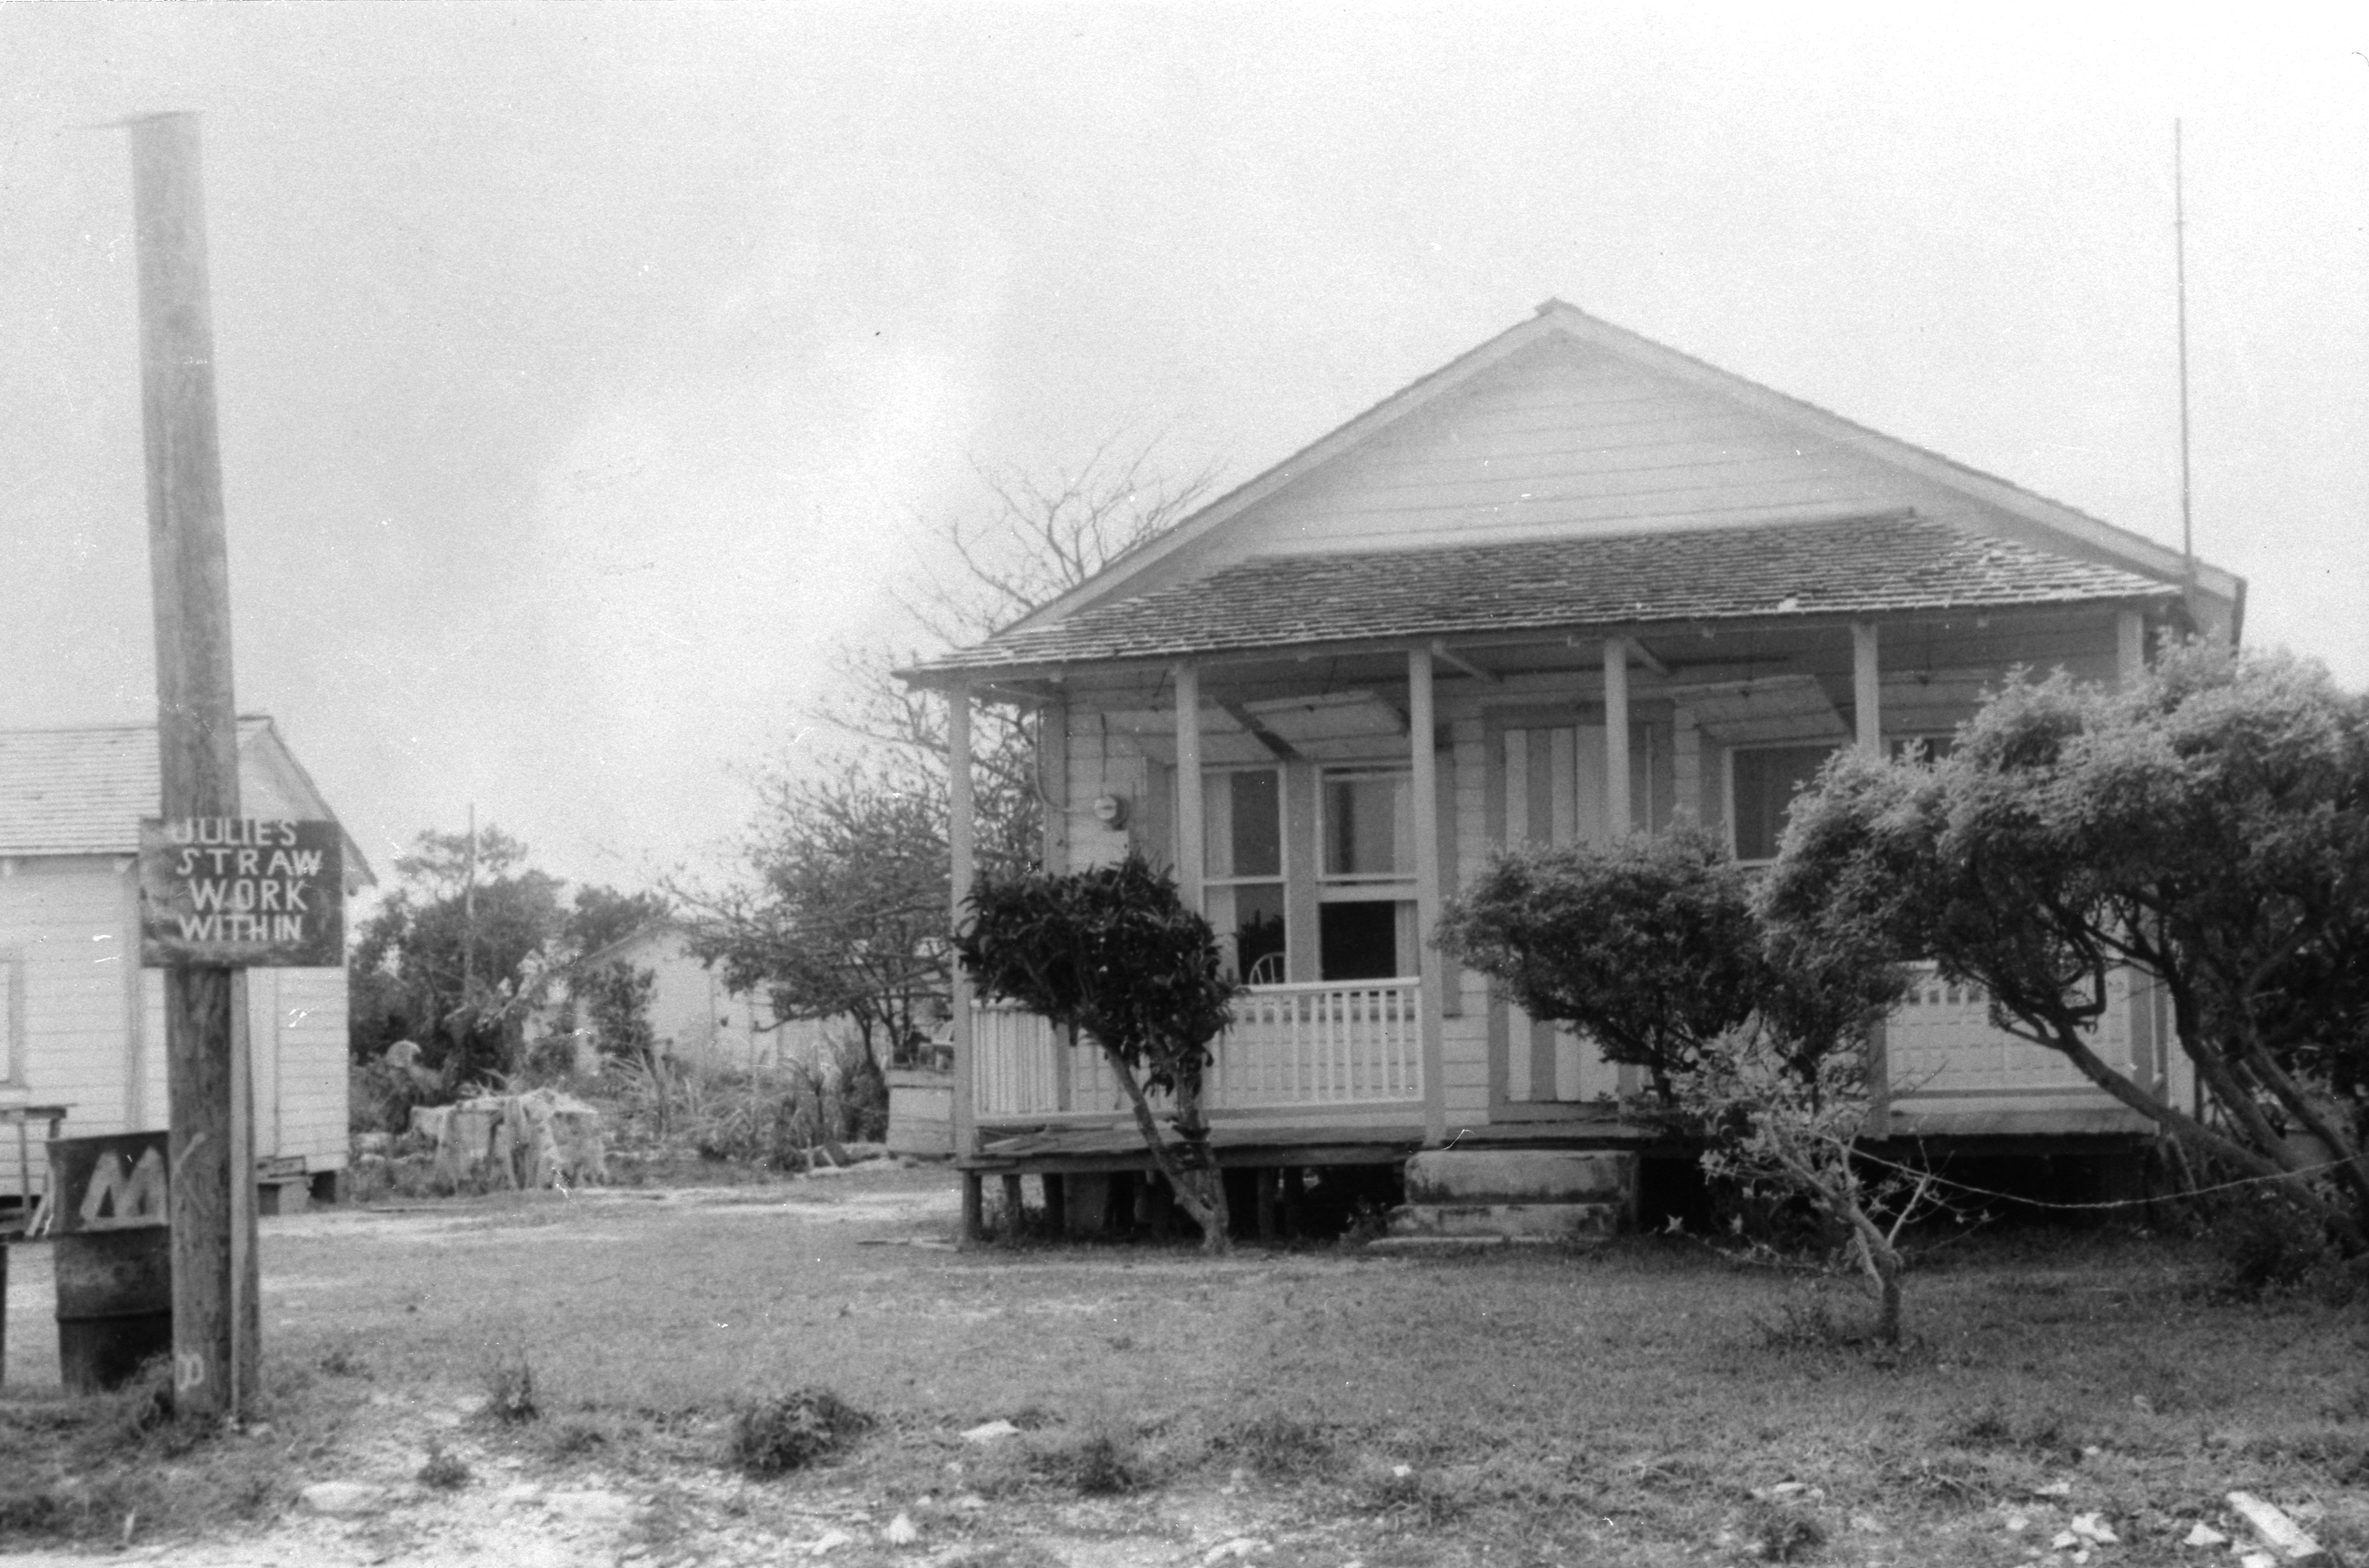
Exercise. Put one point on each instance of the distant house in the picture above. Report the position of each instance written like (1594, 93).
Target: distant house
(1571, 585)
(82, 1024)
(693, 1018)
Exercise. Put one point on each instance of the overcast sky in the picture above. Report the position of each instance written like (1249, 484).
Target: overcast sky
(586, 372)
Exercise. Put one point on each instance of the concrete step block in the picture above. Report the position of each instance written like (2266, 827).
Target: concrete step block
(1521, 1175)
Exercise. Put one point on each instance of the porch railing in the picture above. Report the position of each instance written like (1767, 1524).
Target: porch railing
(1941, 1041)
(1327, 1044)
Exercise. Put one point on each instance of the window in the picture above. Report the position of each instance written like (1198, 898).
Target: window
(1242, 867)
(1762, 781)
(1369, 827)
(1366, 921)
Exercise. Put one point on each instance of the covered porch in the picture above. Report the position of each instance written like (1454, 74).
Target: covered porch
(1319, 799)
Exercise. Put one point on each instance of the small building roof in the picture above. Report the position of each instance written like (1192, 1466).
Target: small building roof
(85, 789)
(1866, 565)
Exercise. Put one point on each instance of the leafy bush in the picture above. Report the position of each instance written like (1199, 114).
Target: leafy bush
(380, 1097)
(1647, 944)
(1781, 1534)
(792, 1431)
(510, 1389)
(1279, 1447)
(444, 1472)
(2264, 1247)
(1099, 1464)
(861, 1093)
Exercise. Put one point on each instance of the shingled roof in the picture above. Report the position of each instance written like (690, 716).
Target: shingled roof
(84, 790)
(1869, 565)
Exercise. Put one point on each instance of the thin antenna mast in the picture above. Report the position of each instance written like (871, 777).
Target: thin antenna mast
(2180, 268)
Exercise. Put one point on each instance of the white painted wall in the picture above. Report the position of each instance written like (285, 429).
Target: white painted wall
(84, 1025)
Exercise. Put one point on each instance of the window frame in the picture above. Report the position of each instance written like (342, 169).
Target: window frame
(1361, 887)
(1281, 877)
(1735, 811)
(1393, 888)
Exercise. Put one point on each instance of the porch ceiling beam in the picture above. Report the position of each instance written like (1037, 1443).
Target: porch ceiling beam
(1636, 650)
(1442, 652)
(1277, 746)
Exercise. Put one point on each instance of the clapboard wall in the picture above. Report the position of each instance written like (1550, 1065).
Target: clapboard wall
(82, 1024)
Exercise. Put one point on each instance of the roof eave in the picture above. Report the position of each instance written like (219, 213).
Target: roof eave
(978, 677)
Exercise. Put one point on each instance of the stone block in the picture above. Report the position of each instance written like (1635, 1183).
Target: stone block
(1464, 1176)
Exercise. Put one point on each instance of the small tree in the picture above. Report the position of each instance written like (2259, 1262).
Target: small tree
(1778, 1115)
(843, 910)
(1649, 945)
(1112, 955)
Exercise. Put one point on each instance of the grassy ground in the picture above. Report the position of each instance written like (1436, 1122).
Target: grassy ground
(1649, 1403)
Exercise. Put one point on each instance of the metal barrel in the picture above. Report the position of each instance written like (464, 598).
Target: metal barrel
(115, 1304)
(113, 1255)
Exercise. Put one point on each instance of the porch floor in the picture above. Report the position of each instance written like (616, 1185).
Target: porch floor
(1257, 1142)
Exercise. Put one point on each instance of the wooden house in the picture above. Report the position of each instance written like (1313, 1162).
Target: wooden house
(693, 1015)
(82, 1024)
(1572, 583)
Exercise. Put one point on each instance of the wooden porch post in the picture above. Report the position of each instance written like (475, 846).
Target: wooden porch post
(1423, 724)
(959, 841)
(1867, 696)
(1188, 784)
(1867, 689)
(1617, 818)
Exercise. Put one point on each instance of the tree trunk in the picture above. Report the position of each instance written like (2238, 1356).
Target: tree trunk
(1206, 1203)
(1887, 1317)
(1192, 1174)
(2269, 1162)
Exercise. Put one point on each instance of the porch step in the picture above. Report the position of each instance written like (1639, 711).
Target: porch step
(1543, 1194)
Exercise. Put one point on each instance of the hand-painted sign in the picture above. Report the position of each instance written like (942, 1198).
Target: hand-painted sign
(242, 892)
(108, 1184)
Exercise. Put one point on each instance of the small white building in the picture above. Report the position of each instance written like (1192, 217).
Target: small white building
(694, 1017)
(82, 1024)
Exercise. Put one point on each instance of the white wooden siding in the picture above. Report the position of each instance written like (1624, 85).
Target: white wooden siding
(1105, 759)
(308, 1016)
(90, 1023)
(65, 921)
(1563, 439)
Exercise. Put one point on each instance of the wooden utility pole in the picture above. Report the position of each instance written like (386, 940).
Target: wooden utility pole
(216, 1335)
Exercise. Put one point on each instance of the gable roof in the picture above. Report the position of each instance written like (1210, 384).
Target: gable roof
(641, 935)
(1865, 565)
(2078, 533)
(84, 790)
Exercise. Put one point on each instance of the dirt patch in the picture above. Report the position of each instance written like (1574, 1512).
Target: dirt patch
(1644, 1406)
